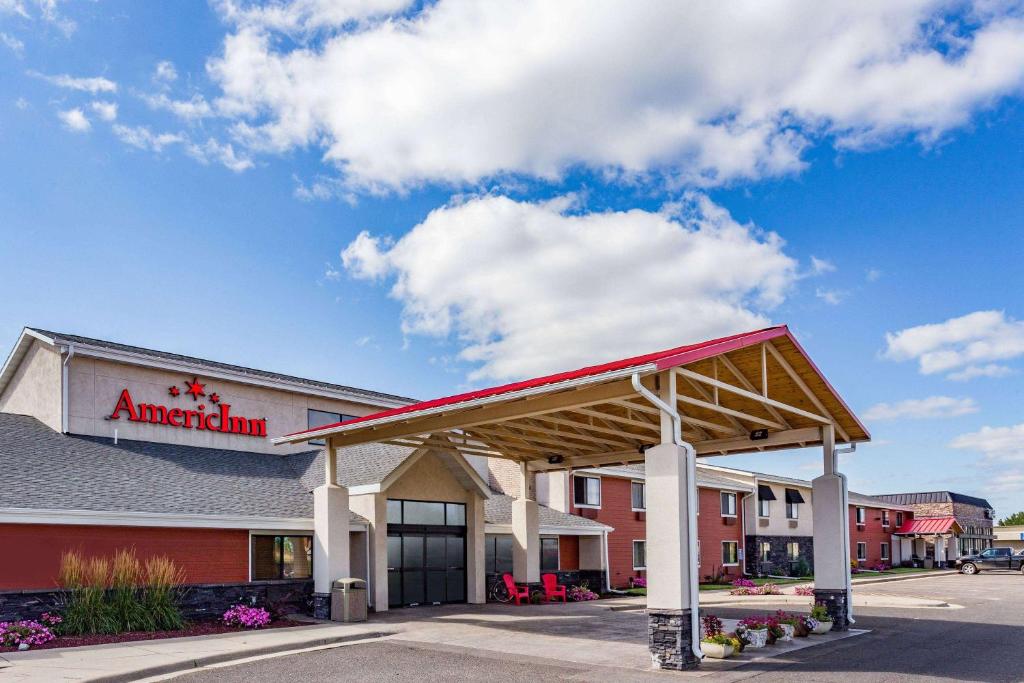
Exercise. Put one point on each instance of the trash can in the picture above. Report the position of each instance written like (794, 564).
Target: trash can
(348, 600)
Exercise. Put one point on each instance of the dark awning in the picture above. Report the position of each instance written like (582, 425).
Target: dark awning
(764, 492)
(793, 496)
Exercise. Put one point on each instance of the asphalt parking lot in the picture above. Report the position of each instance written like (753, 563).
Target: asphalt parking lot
(981, 640)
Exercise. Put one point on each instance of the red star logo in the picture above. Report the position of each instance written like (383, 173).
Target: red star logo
(215, 397)
(195, 388)
(174, 391)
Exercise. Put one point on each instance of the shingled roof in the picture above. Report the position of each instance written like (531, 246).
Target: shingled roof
(498, 510)
(935, 497)
(44, 469)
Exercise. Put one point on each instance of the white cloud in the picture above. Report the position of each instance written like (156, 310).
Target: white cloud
(165, 72)
(332, 273)
(105, 110)
(13, 44)
(972, 371)
(143, 138)
(820, 266)
(833, 297)
(14, 7)
(303, 16)
(922, 408)
(195, 108)
(74, 119)
(966, 342)
(21, 103)
(47, 11)
(462, 92)
(872, 274)
(96, 84)
(223, 154)
(998, 444)
(524, 288)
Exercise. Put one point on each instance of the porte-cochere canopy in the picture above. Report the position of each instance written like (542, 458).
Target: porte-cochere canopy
(748, 392)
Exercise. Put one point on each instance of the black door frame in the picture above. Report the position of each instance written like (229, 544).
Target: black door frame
(425, 531)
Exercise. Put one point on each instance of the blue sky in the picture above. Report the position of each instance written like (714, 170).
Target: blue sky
(407, 199)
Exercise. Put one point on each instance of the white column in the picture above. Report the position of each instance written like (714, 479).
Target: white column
(330, 534)
(668, 568)
(373, 506)
(831, 535)
(526, 530)
(476, 578)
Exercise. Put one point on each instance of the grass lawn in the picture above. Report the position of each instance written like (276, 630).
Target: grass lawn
(897, 570)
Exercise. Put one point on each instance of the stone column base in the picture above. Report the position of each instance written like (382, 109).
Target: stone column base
(321, 605)
(668, 637)
(835, 602)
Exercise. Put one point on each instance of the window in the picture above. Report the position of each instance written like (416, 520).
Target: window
(764, 507)
(320, 418)
(885, 551)
(728, 504)
(766, 551)
(862, 550)
(639, 554)
(792, 510)
(587, 491)
(426, 513)
(899, 519)
(281, 557)
(885, 518)
(730, 553)
(793, 501)
(549, 554)
(862, 515)
(793, 551)
(498, 553)
(638, 494)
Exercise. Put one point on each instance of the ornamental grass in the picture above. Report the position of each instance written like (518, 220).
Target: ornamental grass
(124, 597)
(85, 610)
(162, 593)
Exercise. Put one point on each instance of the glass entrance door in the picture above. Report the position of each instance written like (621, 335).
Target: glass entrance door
(426, 553)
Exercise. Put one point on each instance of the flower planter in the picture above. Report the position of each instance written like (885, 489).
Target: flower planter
(716, 650)
(822, 628)
(757, 638)
(787, 632)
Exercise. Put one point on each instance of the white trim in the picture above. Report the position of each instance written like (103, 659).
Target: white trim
(550, 530)
(888, 550)
(600, 492)
(735, 504)
(466, 405)
(616, 472)
(644, 485)
(158, 519)
(248, 549)
(17, 353)
(632, 551)
(865, 544)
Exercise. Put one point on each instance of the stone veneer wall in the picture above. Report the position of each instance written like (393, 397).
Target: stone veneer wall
(778, 557)
(669, 639)
(200, 601)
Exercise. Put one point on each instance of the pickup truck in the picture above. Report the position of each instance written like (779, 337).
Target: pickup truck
(992, 558)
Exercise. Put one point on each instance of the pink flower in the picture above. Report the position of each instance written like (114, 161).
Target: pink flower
(247, 617)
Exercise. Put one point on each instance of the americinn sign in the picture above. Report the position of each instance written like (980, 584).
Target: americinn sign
(194, 416)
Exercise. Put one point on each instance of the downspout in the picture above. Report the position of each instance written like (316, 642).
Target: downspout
(64, 390)
(691, 506)
(743, 530)
(846, 526)
(371, 588)
(607, 565)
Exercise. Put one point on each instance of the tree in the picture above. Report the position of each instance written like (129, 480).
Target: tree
(1016, 519)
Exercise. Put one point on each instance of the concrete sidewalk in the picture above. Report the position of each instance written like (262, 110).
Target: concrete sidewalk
(146, 658)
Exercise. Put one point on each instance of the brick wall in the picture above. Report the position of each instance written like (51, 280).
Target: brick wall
(712, 530)
(873, 534)
(503, 476)
(33, 551)
(616, 511)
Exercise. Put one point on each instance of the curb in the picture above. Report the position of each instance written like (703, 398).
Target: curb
(186, 665)
(904, 577)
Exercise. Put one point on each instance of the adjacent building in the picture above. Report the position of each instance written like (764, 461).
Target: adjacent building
(1010, 537)
(966, 525)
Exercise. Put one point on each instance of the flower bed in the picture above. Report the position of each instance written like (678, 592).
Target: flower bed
(196, 629)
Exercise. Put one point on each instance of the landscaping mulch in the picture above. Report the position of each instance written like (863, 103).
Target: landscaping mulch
(201, 628)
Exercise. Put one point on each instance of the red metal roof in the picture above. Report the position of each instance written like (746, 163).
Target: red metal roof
(662, 360)
(928, 525)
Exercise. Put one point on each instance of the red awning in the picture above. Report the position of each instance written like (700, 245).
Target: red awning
(929, 526)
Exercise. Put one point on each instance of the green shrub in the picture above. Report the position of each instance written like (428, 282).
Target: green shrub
(126, 606)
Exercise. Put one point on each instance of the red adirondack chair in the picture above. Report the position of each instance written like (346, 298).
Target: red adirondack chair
(552, 589)
(518, 593)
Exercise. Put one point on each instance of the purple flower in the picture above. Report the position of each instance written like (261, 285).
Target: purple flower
(247, 617)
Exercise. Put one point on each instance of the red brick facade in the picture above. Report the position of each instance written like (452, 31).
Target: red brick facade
(873, 533)
(33, 551)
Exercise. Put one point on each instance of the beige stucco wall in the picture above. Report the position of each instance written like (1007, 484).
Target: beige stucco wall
(95, 385)
(35, 388)
(778, 524)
